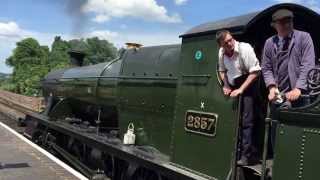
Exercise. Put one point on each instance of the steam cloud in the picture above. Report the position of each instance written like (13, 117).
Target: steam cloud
(79, 18)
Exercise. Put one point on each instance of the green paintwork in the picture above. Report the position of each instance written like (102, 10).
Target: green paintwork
(141, 85)
(147, 96)
(297, 145)
(208, 155)
(154, 87)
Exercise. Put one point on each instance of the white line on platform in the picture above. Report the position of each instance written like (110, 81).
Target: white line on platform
(50, 156)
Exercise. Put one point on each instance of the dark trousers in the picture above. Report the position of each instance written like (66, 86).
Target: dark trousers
(248, 106)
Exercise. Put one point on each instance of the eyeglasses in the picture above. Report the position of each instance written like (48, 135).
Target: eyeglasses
(227, 41)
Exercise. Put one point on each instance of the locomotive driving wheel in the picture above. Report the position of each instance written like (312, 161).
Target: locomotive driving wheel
(145, 174)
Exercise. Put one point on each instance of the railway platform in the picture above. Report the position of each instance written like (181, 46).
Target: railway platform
(20, 159)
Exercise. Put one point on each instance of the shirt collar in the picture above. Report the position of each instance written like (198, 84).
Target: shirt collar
(236, 46)
(289, 36)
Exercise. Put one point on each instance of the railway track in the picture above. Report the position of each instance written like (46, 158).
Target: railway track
(14, 107)
(11, 122)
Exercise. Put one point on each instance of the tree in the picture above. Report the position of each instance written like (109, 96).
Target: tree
(96, 50)
(58, 57)
(29, 61)
(100, 50)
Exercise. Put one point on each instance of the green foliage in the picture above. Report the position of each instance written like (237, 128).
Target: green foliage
(7, 85)
(58, 57)
(99, 51)
(96, 50)
(31, 62)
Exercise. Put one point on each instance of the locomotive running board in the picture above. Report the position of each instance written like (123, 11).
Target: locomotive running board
(131, 154)
(77, 164)
(72, 160)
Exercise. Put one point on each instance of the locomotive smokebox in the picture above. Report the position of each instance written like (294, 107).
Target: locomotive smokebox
(76, 57)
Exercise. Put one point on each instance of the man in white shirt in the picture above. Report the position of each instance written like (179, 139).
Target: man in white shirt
(239, 68)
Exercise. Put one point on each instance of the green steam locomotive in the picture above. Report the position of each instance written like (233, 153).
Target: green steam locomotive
(158, 113)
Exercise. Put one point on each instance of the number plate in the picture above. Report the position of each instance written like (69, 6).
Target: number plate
(201, 122)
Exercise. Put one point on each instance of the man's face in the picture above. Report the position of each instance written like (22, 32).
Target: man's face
(228, 43)
(284, 26)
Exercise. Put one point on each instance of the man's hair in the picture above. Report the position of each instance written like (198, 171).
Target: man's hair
(221, 35)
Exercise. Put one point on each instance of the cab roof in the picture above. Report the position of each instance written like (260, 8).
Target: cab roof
(239, 24)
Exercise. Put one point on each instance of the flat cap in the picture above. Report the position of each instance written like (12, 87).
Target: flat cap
(282, 13)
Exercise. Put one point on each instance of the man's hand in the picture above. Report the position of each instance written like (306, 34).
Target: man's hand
(272, 93)
(236, 92)
(226, 90)
(293, 95)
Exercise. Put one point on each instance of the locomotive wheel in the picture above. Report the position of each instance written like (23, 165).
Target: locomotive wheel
(144, 174)
(37, 138)
(120, 169)
(75, 148)
(109, 166)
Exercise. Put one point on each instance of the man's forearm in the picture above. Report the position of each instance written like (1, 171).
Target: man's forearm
(224, 79)
(251, 78)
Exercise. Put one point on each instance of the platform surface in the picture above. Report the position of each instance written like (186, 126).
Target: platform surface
(21, 161)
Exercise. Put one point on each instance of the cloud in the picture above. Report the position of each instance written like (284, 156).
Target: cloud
(312, 4)
(147, 39)
(180, 2)
(148, 10)
(100, 18)
(105, 34)
(79, 19)
(11, 32)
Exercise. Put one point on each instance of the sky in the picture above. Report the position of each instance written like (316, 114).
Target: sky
(148, 22)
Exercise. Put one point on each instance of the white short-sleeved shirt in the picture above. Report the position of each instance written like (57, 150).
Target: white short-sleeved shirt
(232, 66)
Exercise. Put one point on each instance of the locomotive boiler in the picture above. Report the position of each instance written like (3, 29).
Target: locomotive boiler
(171, 98)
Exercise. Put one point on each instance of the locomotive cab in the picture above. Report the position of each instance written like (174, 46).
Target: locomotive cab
(200, 100)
